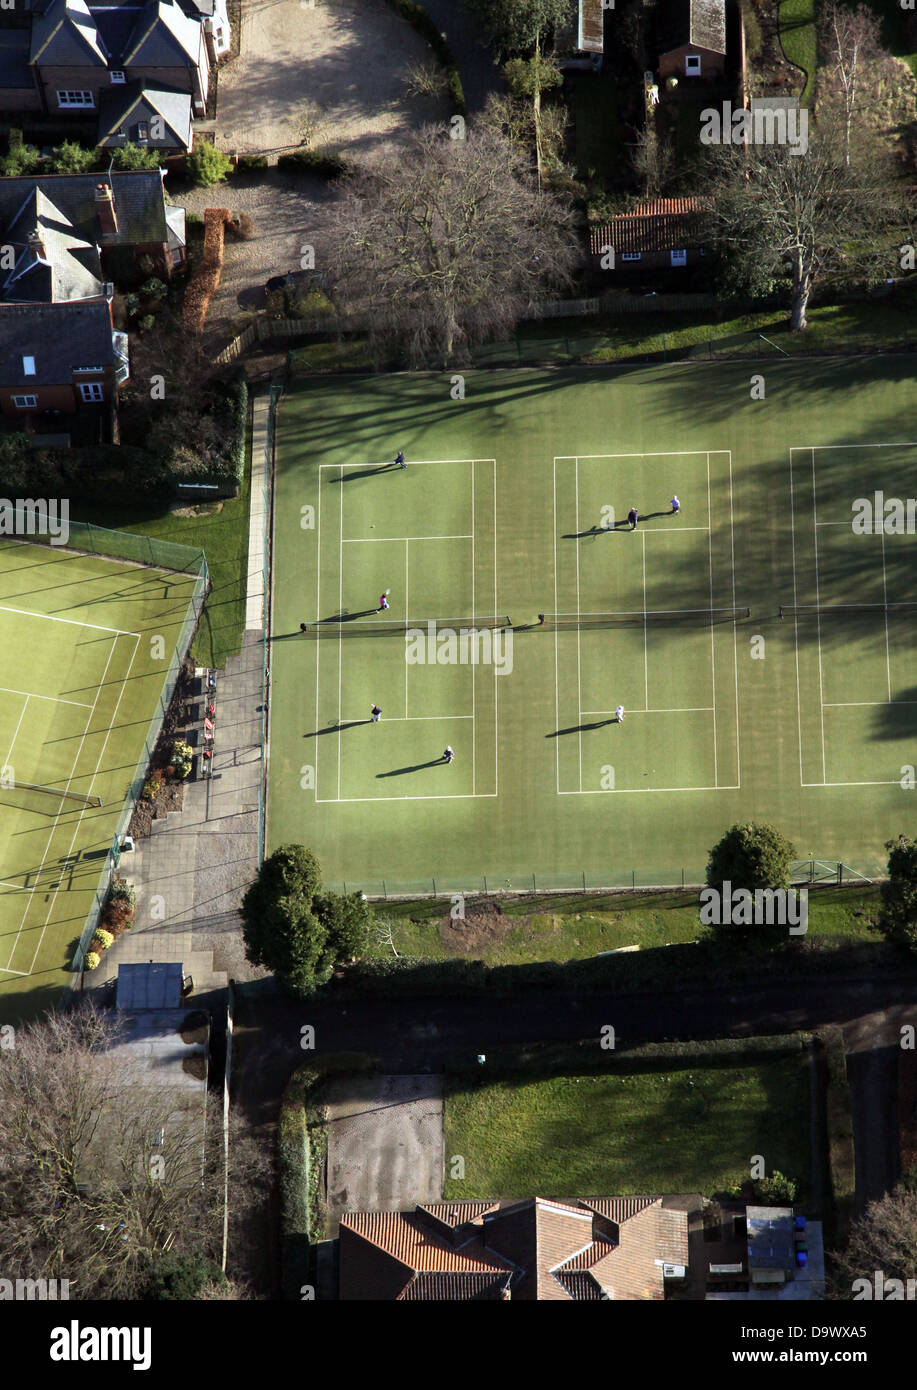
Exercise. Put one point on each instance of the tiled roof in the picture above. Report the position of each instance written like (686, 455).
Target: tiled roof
(538, 1248)
(163, 37)
(591, 23)
(664, 224)
(124, 108)
(59, 336)
(53, 262)
(700, 23)
(65, 35)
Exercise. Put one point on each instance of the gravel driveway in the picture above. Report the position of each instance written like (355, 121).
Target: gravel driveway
(348, 56)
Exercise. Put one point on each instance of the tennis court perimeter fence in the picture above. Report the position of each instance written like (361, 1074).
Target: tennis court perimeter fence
(803, 873)
(160, 554)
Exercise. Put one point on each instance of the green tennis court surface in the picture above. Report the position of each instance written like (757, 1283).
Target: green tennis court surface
(86, 642)
(514, 505)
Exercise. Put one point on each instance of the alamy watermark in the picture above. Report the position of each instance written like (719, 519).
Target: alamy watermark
(34, 1290)
(765, 907)
(464, 646)
(763, 125)
(880, 515)
(884, 1290)
(36, 516)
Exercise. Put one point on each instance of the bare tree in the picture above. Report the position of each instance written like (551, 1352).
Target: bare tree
(446, 242)
(653, 160)
(849, 41)
(103, 1172)
(809, 218)
(882, 1241)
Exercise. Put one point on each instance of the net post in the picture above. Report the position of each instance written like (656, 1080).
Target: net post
(434, 887)
(633, 879)
(485, 884)
(384, 891)
(534, 886)
(584, 880)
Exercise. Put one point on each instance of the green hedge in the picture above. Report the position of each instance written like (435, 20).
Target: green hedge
(841, 1154)
(231, 409)
(247, 163)
(418, 19)
(293, 1162)
(323, 163)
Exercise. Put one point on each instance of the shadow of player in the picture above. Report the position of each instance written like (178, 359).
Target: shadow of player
(366, 473)
(582, 728)
(418, 767)
(337, 728)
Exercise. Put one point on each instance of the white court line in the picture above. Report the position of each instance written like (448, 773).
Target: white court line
(735, 631)
(473, 739)
(893, 782)
(579, 688)
(373, 540)
(888, 664)
(646, 658)
(318, 609)
(79, 820)
(493, 462)
(855, 704)
(60, 809)
(407, 610)
(659, 454)
(6, 760)
(413, 463)
(556, 652)
(371, 800)
(648, 791)
(812, 448)
(71, 622)
(687, 709)
(821, 689)
(716, 770)
(55, 699)
(413, 719)
(340, 635)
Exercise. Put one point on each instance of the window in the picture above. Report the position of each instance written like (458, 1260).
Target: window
(91, 390)
(692, 65)
(679, 257)
(143, 132)
(116, 76)
(25, 402)
(72, 99)
(28, 366)
(177, 257)
(630, 255)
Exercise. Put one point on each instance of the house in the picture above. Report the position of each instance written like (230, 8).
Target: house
(141, 67)
(765, 1254)
(655, 235)
(584, 37)
(691, 39)
(623, 1248)
(59, 350)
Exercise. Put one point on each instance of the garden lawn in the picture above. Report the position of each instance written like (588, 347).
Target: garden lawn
(681, 1130)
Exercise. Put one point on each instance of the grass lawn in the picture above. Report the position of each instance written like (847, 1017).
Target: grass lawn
(573, 929)
(689, 1129)
(505, 508)
(799, 40)
(222, 530)
(74, 712)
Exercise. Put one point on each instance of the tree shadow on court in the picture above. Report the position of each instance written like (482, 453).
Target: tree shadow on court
(581, 728)
(337, 728)
(418, 767)
(618, 526)
(898, 719)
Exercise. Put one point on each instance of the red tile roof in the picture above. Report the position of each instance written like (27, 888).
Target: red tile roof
(663, 224)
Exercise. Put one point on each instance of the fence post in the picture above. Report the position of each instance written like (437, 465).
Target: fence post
(384, 893)
(434, 887)
(584, 880)
(485, 885)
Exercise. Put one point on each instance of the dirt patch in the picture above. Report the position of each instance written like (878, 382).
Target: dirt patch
(201, 509)
(483, 927)
(769, 73)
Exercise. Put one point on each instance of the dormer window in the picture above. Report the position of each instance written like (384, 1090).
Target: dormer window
(28, 366)
(117, 77)
(143, 133)
(692, 65)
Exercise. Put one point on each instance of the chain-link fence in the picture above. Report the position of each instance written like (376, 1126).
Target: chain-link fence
(167, 555)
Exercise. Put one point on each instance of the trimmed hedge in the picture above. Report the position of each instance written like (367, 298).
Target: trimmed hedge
(323, 163)
(293, 1160)
(247, 163)
(231, 410)
(206, 277)
(841, 1155)
(418, 19)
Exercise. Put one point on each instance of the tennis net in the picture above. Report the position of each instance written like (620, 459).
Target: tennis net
(344, 627)
(59, 792)
(843, 610)
(656, 617)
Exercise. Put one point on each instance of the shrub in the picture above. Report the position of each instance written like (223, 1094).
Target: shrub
(248, 163)
(898, 914)
(241, 226)
(71, 158)
(122, 892)
(323, 164)
(751, 856)
(182, 758)
(21, 160)
(146, 323)
(154, 288)
(92, 961)
(151, 786)
(102, 939)
(134, 158)
(778, 1190)
(207, 165)
(175, 1276)
(231, 411)
(131, 304)
(418, 19)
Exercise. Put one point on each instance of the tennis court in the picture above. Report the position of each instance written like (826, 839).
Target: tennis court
(87, 642)
(508, 533)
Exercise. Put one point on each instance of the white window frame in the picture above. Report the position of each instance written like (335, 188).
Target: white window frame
(28, 366)
(692, 65)
(117, 76)
(91, 392)
(631, 255)
(25, 402)
(678, 257)
(75, 100)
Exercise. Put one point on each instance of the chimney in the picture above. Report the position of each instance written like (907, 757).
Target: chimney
(105, 207)
(37, 243)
